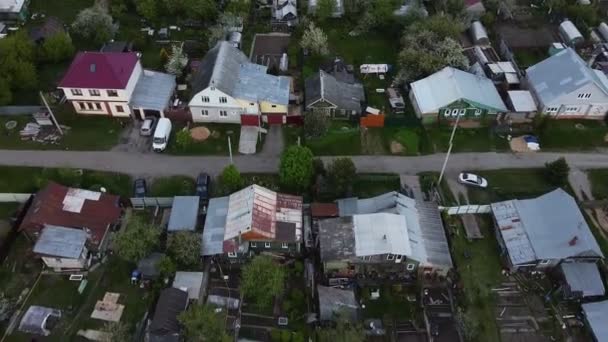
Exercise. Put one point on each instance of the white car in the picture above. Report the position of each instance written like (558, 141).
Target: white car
(472, 179)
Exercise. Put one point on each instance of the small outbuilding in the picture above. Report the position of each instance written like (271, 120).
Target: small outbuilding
(595, 315)
(521, 105)
(570, 34)
(39, 320)
(192, 282)
(62, 248)
(165, 326)
(334, 302)
(184, 213)
(148, 266)
(582, 279)
(479, 34)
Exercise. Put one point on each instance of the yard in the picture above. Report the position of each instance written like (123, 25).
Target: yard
(570, 135)
(370, 185)
(217, 143)
(172, 186)
(465, 140)
(342, 138)
(599, 183)
(509, 184)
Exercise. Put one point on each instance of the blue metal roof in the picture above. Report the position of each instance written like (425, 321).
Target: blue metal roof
(61, 242)
(183, 213)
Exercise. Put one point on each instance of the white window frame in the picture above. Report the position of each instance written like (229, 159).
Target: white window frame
(112, 93)
(205, 112)
(455, 112)
(253, 244)
(94, 92)
(410, 267)
(399, 259)
(367, 258)
(545, 262)
(232, 254)
(446, 112)
(223, 113)
(390, 257)
(284, 245)
(98, 106)
(206, 99)
(477, 112)
(462, 112)
(223, 99)
(76, 92)
(267, 244)
(120, 109)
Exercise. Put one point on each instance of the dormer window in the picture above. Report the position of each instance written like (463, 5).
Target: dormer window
(112, 93)
(223, 99)
(94, 92)
(205, 98)
(76, 92)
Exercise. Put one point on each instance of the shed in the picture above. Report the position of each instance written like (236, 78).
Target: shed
(39, 320)
(569, 33)
(602, 29)
(148, 266)
(184, 213)
(521, 101)
(215, 225)
(224, 297)
(321, 210)
(596, 314)
(235, 39)
(61, 242)
(479, 34)
(192, 282)
(333, 302)
(583, 279)
(171, 303)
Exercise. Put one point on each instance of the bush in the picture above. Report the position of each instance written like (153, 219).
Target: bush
(296, 170)
(315, 124)
(341, 175)
(230, 179)
(557, 171)
(183, 139)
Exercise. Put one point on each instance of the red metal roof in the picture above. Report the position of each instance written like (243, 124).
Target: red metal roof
(324, 210)
(100, 70)
(50, 204)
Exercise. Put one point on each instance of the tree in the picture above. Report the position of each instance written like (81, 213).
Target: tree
(231, 179)
(147, 9)
(166, 267)
(57, 48)
(315, 40)
(202, 323)
(316, 124)
(184, 247)
(262, 281)
(94, 24)
(225, 23)
(344, 331)
(295, 169)
(201, 9)
(137, 240)
(325, 9)
(557, 171)
(17, 62)
(118, 7)
(6, 96)
(341, 173)
(177, 61)
(116, 332)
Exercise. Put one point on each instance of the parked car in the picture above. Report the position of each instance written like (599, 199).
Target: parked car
(139, 187)
(472, 179)
(203, 181)
(161, 135)
(147, 127)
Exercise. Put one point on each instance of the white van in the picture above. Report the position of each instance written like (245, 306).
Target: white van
(161, 135)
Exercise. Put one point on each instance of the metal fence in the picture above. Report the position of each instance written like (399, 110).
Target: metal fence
(468, 209)
(14, 197)
(151, 202)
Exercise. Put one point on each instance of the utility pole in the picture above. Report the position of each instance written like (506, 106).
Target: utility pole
(230, 150)
(447, 156)
(51, 113)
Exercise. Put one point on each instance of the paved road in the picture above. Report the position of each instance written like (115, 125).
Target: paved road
(164, 165)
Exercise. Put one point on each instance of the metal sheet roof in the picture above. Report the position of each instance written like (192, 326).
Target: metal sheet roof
(333, 302)
(449, 85)
(35, 318)
(184, 213)
(377, 234)
(596, 314)
(254, 84)
(561, 74)
(191, 282)
(153, 91)
(215, 224)
(324, 86)
(522, 101)
(550, 226)
(583, 277)
(61, 242)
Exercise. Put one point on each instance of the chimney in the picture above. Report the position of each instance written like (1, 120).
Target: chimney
(573, 241)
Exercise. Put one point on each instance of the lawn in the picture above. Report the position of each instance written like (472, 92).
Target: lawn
(509, 184)
(29, 179)
(370, 185)
(65, 10)
(217, 143)
(569, 135)
(529, 57)
(466, 140)
(342, 138)
(172, 186)
(85, 132)
(599, 183)
(478, 264)
(392, 304)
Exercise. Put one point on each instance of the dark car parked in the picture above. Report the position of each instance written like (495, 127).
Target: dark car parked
(139, 187)
(203, 181)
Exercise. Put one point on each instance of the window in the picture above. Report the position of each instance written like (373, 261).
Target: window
(232, 254)
(251, 103)
(267, 244)
(477, 112)
(399, 259)
(76, 92)
(253, 244)
(462, 112)
(119, 109)
(367, 258)
(410, 267)
(94, 92)
(390, 257)
(571, 109)
(545, 262)
(223, 99)
(446, 112)
(274, 106)
(89, 106)
(97, 105)
(584, 95)
(284, 245)
(112, 93)
(454, 112)
(205, 98)
(223, 113)
(551, 109)
(205, 112)
(81, 105)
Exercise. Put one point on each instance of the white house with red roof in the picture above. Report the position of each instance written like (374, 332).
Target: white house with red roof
(115, 84)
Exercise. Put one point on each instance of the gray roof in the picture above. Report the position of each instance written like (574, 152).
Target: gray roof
(561, 74)
(61, 242)
(449, 85)
(215, 224)
(334, 301)
(229, 70)
(35, 318)
(192, 282)
(323, 86)
(153, 91)
(550, 226)
(596, 314)
(184, 213)
(337, 238)
(584, 278)
(148, 266)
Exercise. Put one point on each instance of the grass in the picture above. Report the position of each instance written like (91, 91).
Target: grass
(172, 186)
(66, 11)
(599, 183)
(29, 179)
(466, 140)
(392, 304)
(509, 184)
(86, 132)
(342, 138)
(217, 143)
(529, 57)
(568, 135)
(478, 264)
(370, 185)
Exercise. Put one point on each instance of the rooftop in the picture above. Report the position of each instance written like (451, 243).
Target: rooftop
(171, 303)
(192, 282)
(334, 302)
(11, 6)
(550, 226)
(148, 266)
(61, 242)
(323, 86)
(153, 91)
(522, 101)
(324, 209)
(215, 224)
(583, 278)
(100, 70)
(596, 314)
(184, 213)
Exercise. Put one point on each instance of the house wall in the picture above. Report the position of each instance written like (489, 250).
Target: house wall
(571, 106)
(272, 108)
(66, 263)
(210, 111)
(107, 108)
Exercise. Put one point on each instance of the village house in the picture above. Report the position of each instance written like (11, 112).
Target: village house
(543, 232)
(14, 10)
(115, 84)
(451, 93)
(285, 12)
(250, 221)
(228, 88)
(165, 325)
(566, 88)
(390, 237)
(93, 212)
(333, 96)
(63, 248)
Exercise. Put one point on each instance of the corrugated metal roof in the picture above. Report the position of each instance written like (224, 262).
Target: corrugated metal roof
(569, 32)
(561, 74)
(583, 277)
(184, 213)
(522, 101)
(596, 314)
(153, 91)
(254, 84)
(449, 85)
(324, 86)
(192, 282)
(215, 223)
(61, 242)
(550, 226)
(377, 234)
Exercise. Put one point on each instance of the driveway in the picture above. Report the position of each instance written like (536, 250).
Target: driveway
(131, 141)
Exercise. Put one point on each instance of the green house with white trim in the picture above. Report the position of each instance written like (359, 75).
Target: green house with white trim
(449, 93)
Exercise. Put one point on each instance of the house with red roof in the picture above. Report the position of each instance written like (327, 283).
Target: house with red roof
(115, 84)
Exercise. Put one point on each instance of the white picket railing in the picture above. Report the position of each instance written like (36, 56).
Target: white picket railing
(14, 197)
(467, 209)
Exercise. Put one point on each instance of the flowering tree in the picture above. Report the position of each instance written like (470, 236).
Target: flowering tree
(315, 40)
(177, 61)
